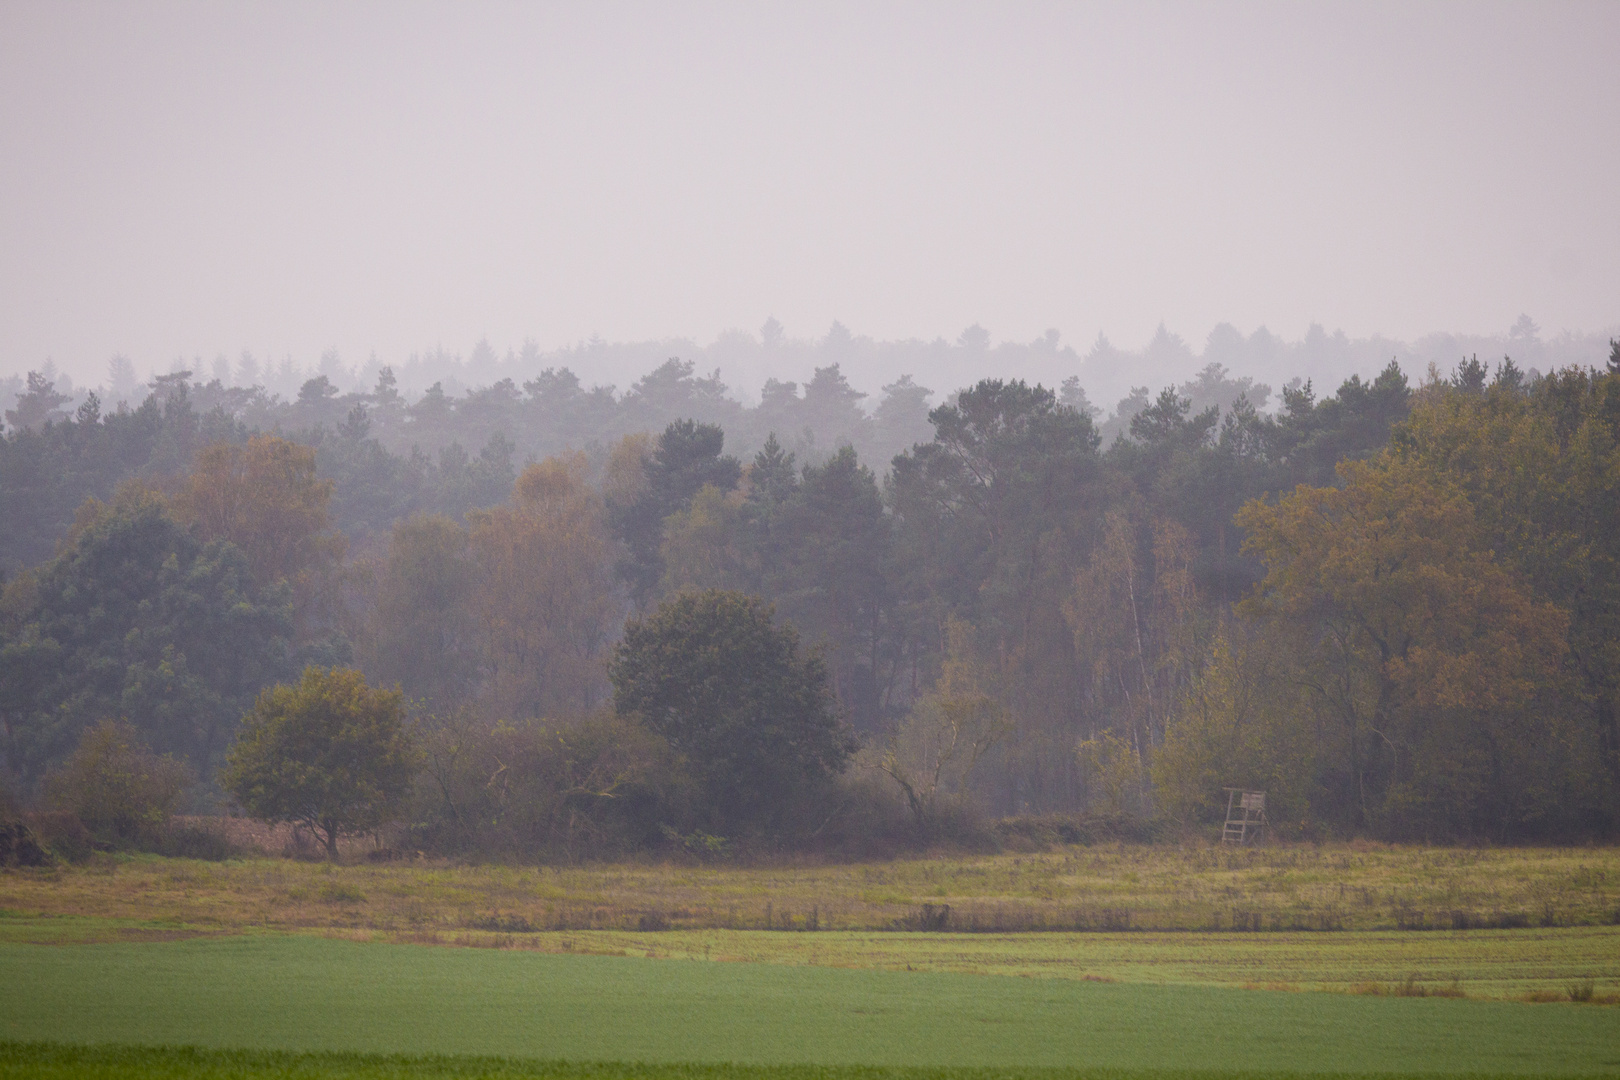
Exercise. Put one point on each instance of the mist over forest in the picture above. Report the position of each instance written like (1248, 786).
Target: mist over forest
(334, 406)
(806, 389)
(1391, 601)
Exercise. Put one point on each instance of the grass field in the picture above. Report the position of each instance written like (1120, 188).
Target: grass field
(303, 993)
(1193, 888)
(53, 1061)
(1542, 963)
(48, 1061)
(275, 968)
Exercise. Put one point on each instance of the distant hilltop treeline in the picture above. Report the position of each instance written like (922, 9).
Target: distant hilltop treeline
(776, 373)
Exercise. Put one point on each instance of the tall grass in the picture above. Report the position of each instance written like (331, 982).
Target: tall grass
(1104, 888)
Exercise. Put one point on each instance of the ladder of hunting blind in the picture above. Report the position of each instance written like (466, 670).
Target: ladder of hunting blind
(1245, 816)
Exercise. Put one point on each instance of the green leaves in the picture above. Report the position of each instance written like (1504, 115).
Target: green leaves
(752, 717)
(330, 753)
(137, 619)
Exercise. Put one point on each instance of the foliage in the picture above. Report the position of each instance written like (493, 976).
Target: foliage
(121, 791)
(597, 787)
(686, 459)
(48, 471)
(991, 519)
(1424, 657)
(1137, 615)
(424, 634)
(546, 601)
(1236, 725)
(329, 753)
(749, 715)
(819, 543)
(264, 497)
(1395, 608)
(932, 753)
(136, 618)
(19, 846)
(1541, 467)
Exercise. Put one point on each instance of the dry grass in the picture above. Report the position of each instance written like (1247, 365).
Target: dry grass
(1293, 888)
(1559, 907)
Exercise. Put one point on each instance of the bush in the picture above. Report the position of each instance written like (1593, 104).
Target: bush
(1045, 831)
(19, 847)
(872, 819)
(197, 840)
(62, 834)
(599, 787)
(120, 791)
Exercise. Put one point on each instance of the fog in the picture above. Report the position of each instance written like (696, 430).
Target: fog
(473, 193)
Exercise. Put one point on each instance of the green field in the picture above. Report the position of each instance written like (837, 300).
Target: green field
(1501, 964)
(55, 1061)
(272, 992)
(276, 968)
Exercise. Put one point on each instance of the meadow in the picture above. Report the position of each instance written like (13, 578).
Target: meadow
(1190, 962)
(1117, 887)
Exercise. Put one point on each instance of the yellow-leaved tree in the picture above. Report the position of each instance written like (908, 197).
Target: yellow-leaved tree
(547, 604)
(1418, 653)
(264, 497)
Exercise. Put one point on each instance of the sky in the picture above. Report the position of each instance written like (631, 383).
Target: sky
(288, 178)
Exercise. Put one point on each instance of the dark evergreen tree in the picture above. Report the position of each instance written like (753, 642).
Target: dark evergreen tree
(687, 459)
(136, 619)
(749, 713)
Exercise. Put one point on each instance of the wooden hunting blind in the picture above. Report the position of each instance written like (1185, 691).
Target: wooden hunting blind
(1245, 816)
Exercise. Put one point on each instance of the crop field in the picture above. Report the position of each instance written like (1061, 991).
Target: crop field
(308, 994)
(1547, 964)
(35, 1061)
(270, 967)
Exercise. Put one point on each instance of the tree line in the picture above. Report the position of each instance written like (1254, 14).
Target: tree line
(1394, 608)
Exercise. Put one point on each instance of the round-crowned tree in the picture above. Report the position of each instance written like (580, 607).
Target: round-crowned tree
(749, 712)
(330, 753)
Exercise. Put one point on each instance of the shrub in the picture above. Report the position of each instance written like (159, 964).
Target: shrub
(197, 840)
(112, 783)
(62, 834)
(596, 787)
(18, 845)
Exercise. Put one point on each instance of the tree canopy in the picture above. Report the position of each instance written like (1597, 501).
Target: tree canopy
(749, 713)
(139, 619)
(328, 752)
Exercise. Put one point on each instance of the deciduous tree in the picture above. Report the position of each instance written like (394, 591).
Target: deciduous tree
(265, 498)
(1426, 651)
(425, 631)
(329, 753)
(547, 602)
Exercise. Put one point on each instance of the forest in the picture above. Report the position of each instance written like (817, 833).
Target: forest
(1394, 607)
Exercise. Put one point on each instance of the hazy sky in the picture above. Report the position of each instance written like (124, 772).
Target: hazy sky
(191, 179)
